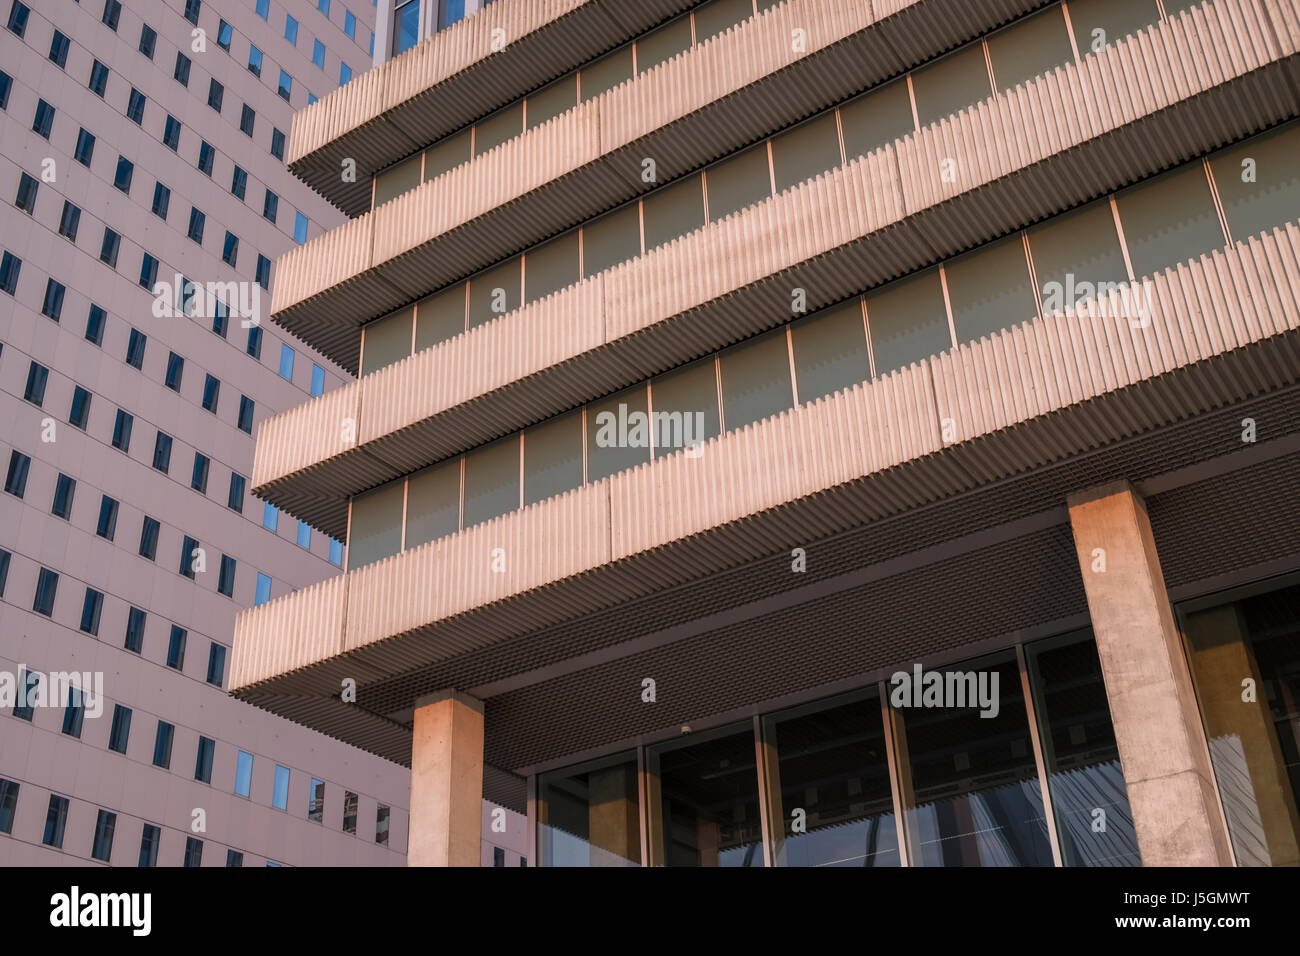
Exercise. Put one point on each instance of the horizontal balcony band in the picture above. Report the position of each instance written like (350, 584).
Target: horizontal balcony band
(1222, 330)
(735, 89)
(851, 229)
(450, 80)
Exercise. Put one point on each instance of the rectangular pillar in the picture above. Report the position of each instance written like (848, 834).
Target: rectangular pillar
(1157, 725)
(446, 781)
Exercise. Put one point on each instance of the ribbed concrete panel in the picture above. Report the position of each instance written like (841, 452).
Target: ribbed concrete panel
(520, 344)
(289, 632)
(483, 564)
(684, 113)
(299, 436)
(558, 551)
(1018, 157)
(452, 79)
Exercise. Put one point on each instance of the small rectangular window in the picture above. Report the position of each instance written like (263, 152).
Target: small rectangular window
(304, 534)
(91, 609)
(85, 150)
(189, 556)
(262, 594)
(175, 370)
(235, 500)
(120, 732)
(18, 14)
(162, 745)
(286, 362)
(56, 817)
(193, 852)
(226, 578)
(270, 516)
(381, 825)
(280, 795)
(112, 13)
(224, 35)
(109, 247)
(37, 376)
(285, 86)
(148, 276)
(181, 72)
(105, 823)
(95, 320)
(317, 380)
(216, 94)
(16, 477)
(162, 197)
(277, 144)
(149, 538)
(245, 420)
(349, 806)
(199, 473)
(148, 40)
(239, 182)
(197, 222)
(64, 489)
(52, 306)
(176, 648)
(98, 79)
(216, 664)
(243, 774)
(150, 837)
(162, 451)
(79, 413)
(8, 804)
(203, 760)
(254, 60)
(211, 391)
(28, 187)
(246, 119)
(135, 348)
(59, 50)
(106, 527)
(122, 430)
(134, 640)
(69, 220)
(43, 121)
(10, 266)
(316, 801)
(263, 272)
(206, 156)
(125, 171)
(172, 133)
(74, 714)
(135, 107)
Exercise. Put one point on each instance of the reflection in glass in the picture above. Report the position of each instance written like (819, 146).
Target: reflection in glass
(969, 783)
(1089, 799)
(703, 799)
(828, 790)
(589, 815)
(1245, 661)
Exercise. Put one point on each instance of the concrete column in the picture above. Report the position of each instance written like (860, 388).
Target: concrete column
(1158, 730)
(613, 821)
(446, 781)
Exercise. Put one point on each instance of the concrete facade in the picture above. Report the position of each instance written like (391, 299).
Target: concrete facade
(37, 754)
(954, 491)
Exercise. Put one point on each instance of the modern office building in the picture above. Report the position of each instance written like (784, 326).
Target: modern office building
(808, 432)
(140, 142)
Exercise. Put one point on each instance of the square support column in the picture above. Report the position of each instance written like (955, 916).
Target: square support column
(1158, 728)
(446, 781)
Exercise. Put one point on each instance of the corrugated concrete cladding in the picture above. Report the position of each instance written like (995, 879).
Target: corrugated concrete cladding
(1189, 84)
(1223, 330)
(731, 90)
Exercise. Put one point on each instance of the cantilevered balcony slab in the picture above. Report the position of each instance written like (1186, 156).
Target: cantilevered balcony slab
(1221, 330)
(731, 90)
(452, 79)
(1148, 103)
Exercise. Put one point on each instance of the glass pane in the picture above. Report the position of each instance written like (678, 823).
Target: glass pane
(756, 380)
(618, 433)
(704, 799)
(495, 292)
(830, 795)
(606, 73)
(1259, 181)
(553, 457)
(1034, 46)
(969, 781)
(830, 351)
(1089, 799)
(590, 815)
(663, 44)
(611, 239)
(447, 155)
(804, 152)
(716, 16)
(1100, 22)
(433, 503)
(376, 528)
(951, 84)
(386, 341)
(738, 182)
(1254, 739)
(908, 321)
(498, 128)
(989, 289)
(673, 211)
(685, 404)
(551, 267)
(1073, 252)
(1169, 219)
(440, 317)
(549, 102)
(877, 118)
(491, 480)
(393, 182)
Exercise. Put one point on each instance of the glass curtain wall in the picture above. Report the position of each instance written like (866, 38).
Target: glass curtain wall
(940, 767)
